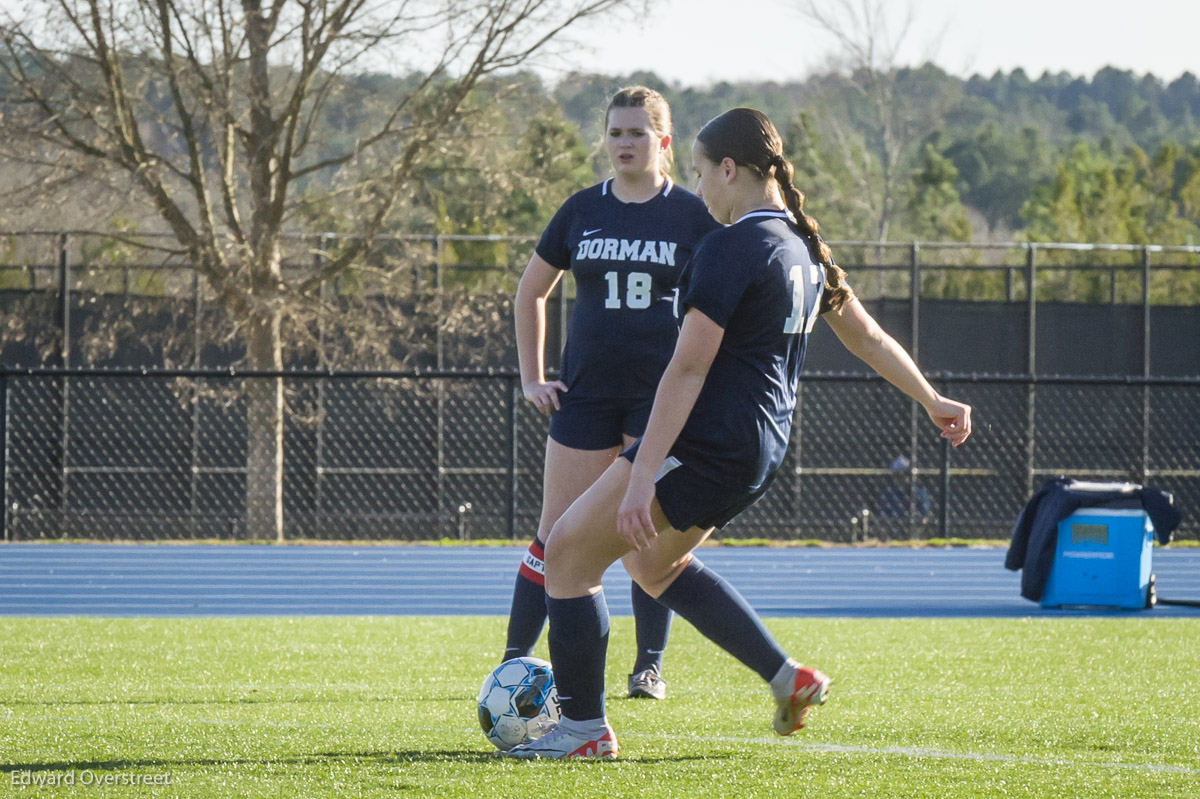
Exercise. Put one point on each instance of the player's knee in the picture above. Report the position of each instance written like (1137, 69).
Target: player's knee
(651, 574)
(558, 548)
(652, 584)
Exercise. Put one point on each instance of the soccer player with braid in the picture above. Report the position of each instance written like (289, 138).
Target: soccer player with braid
(626, 241)
(717, 433)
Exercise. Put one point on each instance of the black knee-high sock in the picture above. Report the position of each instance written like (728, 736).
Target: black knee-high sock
(653, 624)
(528, 613)
(721, 614)
(578, 648)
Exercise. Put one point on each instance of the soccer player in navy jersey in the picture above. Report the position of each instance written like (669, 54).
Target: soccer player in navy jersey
(717, 433)
(626, 241)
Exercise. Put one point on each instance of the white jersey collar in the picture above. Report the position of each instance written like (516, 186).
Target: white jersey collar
(770, 213)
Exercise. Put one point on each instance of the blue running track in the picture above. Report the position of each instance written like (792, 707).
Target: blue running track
(203, 580)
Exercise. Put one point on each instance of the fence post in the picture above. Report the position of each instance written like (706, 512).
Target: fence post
(1030, 365)
(944, 520)
(4, 453)
(194, 477)
(514, 401)
(440, 423)
(197, 307)
(322, 301)
(64, 318)
(64, 300)
(913, 408)
(1145, 364)
(914, 266)
(438, 289)
(797, 450)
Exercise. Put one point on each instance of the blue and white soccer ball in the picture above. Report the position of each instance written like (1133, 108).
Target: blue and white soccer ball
(518, 702)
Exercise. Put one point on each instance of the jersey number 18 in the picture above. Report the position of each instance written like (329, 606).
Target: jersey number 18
(637, 290)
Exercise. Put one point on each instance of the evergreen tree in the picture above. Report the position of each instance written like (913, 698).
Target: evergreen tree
(936, 212)
(998, 169)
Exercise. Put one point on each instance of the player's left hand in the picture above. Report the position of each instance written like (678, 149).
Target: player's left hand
(634, 525)
(543, 395)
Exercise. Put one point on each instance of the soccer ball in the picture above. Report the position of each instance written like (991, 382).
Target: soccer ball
(518, 702)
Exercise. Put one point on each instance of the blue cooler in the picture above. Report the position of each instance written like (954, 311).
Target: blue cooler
(1102, 559)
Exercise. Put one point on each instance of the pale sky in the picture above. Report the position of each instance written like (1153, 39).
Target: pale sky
(699, 42)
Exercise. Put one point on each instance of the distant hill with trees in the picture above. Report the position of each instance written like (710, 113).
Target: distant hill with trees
(986, 158)
(1112, 158)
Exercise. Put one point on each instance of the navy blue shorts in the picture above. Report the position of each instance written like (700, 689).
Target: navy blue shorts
(598, 423)
(689, 499)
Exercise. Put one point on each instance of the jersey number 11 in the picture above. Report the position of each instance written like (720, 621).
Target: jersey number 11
(797, 321)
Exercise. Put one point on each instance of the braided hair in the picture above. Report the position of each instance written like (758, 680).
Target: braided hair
(750, 139)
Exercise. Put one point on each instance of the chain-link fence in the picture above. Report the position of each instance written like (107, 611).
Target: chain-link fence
(444, 302)
(165, 454)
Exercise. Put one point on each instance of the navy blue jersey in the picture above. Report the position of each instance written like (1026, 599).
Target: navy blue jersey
(627, 259)
(759, 281)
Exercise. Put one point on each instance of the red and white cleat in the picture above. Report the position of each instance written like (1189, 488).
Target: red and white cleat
(809, 687)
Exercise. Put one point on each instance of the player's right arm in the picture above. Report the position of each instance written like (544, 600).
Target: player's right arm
(538, 280)
(863, 336)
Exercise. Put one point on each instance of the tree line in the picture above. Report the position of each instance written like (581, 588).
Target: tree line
(1111, 159)
(1114, 158)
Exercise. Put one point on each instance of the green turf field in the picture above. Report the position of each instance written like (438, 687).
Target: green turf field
(321, 707)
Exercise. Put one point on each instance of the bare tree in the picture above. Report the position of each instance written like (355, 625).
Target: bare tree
(870, 35)
(210, 108)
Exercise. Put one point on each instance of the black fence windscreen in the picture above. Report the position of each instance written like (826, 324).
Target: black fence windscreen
(150, 455)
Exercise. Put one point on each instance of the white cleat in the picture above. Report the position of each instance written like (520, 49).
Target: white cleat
(647, 684)
(560, 744)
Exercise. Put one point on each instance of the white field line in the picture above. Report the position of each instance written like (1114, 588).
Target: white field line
(923, 753)
(917, 752)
